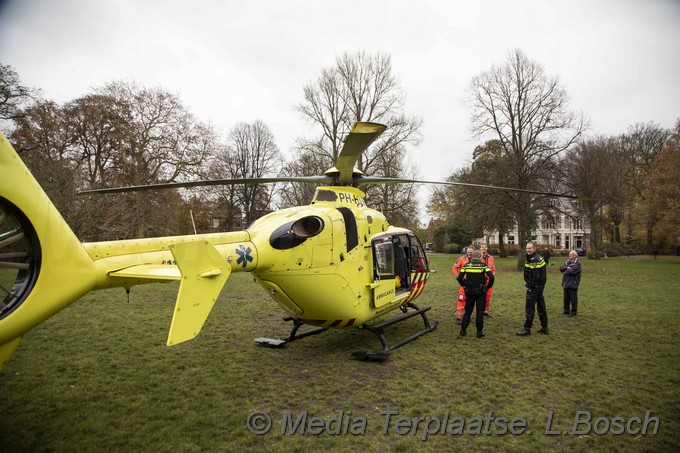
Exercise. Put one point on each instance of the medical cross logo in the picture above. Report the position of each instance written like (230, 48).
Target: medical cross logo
(243, 255)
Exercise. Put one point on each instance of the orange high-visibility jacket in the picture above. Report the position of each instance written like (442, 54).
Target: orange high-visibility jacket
(490, 262)
(460, 262)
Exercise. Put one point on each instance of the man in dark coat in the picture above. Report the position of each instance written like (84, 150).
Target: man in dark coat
(571, 278)
(535, 276)
(546, 255)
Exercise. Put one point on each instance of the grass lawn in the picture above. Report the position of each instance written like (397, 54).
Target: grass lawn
(98, 376)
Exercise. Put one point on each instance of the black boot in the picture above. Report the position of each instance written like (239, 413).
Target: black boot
(480, 334)
(524, 332)
(463, 331)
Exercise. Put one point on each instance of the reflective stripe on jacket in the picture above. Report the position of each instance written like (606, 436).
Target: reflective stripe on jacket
(535, 272)
(475, 277)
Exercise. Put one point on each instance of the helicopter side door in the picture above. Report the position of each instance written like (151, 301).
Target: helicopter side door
(384, 285)
(419, 269)
(392, 269)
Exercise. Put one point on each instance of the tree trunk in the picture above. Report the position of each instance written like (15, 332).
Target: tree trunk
(594, 243)
(523, 236)
(525, 221)
(650, 239)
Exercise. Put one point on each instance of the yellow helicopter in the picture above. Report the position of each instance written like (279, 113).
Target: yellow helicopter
(335, 263)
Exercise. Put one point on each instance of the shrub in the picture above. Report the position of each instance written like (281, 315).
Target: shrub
(617, 249)
(452, 248)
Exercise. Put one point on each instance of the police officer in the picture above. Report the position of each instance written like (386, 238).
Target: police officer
(475, 277)
(491, 263)
(535, 273)
(460, 300)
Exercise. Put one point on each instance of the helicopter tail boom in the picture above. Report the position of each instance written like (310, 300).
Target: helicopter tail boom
(44, 267)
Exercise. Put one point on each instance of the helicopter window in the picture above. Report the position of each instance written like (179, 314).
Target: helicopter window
(351, 232)
(325, 195)
(384, 259)
(418, 258)
(400, 264)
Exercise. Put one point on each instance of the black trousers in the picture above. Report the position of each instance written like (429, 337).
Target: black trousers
(535, 298)
(475, 301)
(570, 298)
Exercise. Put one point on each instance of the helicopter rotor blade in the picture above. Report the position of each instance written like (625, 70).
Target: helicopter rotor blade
(209, 182)
(380, 180)
(360, 137)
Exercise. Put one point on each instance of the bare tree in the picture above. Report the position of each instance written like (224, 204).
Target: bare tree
(118, 135)
(42, 139)
(162, 142)
(526, 111)
(97, 126)
(251, 152)
(395, 200)
(14, 97)
(593, 169)
(360, 87)
(308, 159)
(450, 205)
(486, 209)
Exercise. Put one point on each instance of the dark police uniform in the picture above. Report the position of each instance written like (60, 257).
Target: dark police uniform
(476, 277)
(535, 273)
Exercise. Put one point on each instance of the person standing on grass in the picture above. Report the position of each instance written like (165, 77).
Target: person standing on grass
(460, 300)
(475, 278)
(546, 255)
(535, 276)
(571, 279)
(491, 264)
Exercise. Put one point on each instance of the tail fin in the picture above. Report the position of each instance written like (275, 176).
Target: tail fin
(204, 273)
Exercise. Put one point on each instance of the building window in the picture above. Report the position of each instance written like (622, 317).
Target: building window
(579, 242)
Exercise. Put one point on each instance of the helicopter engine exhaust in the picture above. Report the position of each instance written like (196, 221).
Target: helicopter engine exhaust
(307, 227)
(295, 233)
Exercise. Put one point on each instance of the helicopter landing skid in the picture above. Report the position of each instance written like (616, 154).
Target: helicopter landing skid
(379, 330)
(294, 335)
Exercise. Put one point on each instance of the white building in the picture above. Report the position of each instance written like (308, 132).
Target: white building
(559, 230)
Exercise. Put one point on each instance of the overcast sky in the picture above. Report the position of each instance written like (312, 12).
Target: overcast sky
(239, 61)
